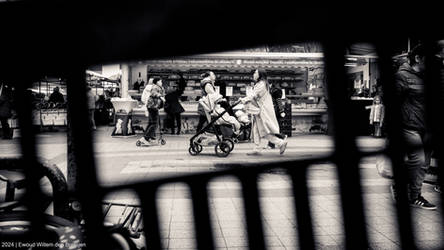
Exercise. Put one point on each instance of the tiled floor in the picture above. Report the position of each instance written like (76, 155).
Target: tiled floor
(119, 161)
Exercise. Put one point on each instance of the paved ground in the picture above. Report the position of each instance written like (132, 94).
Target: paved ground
(118, 160)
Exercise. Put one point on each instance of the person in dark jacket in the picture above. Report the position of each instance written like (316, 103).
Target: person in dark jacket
(410, 93)
(5, 111)
(173, 108)
(276, 95)
(56, 96)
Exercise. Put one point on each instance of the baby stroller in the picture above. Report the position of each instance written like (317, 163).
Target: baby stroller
(160, 139)
(245, 129)
(224, 143)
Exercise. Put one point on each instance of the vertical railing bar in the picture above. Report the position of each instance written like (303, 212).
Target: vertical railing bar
(204, 233)
(434, 91)
(88, 190)
(33, 193)
(395, 146)
(252, 210)
(150, 216)
(302, 206)
(346, 153)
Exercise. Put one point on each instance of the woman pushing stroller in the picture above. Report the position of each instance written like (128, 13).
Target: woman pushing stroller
(265, 124)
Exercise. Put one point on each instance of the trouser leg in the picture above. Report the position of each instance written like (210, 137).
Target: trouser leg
(5, 127)
(150, 132)
(418, 160)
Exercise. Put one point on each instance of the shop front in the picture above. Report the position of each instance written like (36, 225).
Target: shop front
(300, 76)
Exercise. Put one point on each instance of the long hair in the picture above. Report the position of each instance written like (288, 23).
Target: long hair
(263, 77)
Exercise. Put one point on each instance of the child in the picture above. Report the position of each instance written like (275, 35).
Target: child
(377, 113)
(211, 104)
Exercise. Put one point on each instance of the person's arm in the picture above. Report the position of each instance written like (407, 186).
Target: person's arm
(401, 85)
(382, 115)
(258, 91)
(204, 104)
(209, 89)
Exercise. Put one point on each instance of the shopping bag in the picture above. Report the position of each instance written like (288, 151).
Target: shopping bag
(384, 167)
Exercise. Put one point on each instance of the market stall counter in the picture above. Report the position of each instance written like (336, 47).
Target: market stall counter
(124, 111)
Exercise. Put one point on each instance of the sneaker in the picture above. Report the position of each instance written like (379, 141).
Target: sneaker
(393, 192)
(283, 147)
(420, 202)
(143, 141)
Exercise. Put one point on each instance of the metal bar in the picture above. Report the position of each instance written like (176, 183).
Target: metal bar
(33, 194)
(434, 91)
(204, 233)
(10, 190)
(395, 147)
(150, 216)
(233, 169)
(87, 188)
(252, 211)
(302, 205)
(345, 155)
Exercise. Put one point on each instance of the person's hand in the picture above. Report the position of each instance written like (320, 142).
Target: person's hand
(282, 114)
(163, 99)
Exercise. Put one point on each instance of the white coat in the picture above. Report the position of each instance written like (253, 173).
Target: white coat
(265, 122)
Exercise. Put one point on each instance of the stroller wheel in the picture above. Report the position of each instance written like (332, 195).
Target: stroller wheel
(162, 141)
(230, 143)
(222, 149)
(138, 143)
(198, 148)
(192, 151)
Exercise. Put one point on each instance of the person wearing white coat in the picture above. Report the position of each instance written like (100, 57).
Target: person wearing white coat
(265, 124)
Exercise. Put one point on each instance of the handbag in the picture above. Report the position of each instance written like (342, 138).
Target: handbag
(384, 167)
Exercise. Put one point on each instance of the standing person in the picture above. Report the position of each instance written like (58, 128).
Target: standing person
(155, 102)
(377, 113)
(173, 108)
(410, 93)
(146, 94)
(276, 95)
(5, 111)
(56, 97)
(91, 107)
(139, 83)
(207, 85)
(265, 124)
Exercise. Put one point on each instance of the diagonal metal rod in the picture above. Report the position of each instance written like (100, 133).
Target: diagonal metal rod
(150, 216)
(204, 232)
(346, 153)
(302, 205)
(252, 211)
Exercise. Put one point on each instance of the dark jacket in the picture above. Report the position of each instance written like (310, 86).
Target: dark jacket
(5, 106)
(56, 97)
(410, 91)
(172, 104)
